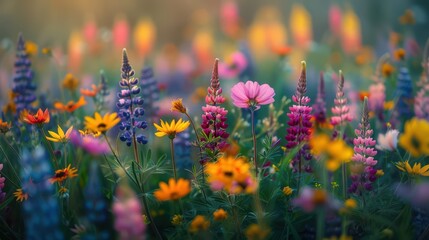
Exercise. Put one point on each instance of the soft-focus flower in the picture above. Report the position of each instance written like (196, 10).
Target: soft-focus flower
(90, 92)
(388, 141)
(341, 111)
(387, 69)
(287, 191)
(407, 18)
(256, 232)
(282, 51)
(171, 129)
(230, 174)
(2, 180)
(127, 211)
(220, 215)
(63, 174)
(94, 146)
(301, 26)
(379, 173)
(319, 106)
(20, 195)
(87, 132)
(399, 54)
(199, 223)
(4, 126)
(389, 105)
(415, 137)
(364, 154)
(24, 87)
(336, 151)
(416, 193)
(31, 48)
(70, 82)
(60, 136)
(416, 169)
(404, 95)
(71, 106)
(177, 220)
(101, 124)
(175, 190)
(310, 198)
(363, 94)
(251, 95)
(234, 66)
(40, 118)
(350, 203)
(177, 105)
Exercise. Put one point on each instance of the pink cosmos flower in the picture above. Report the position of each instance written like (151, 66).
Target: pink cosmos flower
(389, 141)
(234, 67)
(92, 145)
(251, 95)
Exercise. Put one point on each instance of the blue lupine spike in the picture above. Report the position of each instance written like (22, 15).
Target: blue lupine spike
(129, 103)
(96, 205)
(150, 92)
(182, 146)
(404, 94)
(41, 209)
(23, 86)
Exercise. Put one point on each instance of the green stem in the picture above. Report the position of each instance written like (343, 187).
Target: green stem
(199, 146)
(235, 215)
(320, 223)
(255, 162)
(11, 166)
(136, 155)
(50, 148)
(172, 158)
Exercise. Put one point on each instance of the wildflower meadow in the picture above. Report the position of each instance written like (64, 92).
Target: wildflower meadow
(260, 129)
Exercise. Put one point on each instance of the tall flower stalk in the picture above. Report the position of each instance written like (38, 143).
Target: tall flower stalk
(150, 92)
(214, 118)
(363, 172)
(299, 123)
(130, 110)
(404, 94)
(24, 87)
(421, 105)
(319, 107)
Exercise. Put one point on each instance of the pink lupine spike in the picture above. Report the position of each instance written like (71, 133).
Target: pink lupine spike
(341, 110)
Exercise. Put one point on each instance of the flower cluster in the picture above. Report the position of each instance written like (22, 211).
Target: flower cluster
(150, 92)
(300, 125)
(319, 106)
(41, 209)
(363, 172)
(24, 87)
(232, 175)
(341, 110)
(214, 117)
(335, 151)
(2, 180)
(129, 105)
(127, 211)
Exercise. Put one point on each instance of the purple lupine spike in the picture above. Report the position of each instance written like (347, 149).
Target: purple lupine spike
(130, 105)
(320, 106)
(364, 155)
(24, 87)
(341, 110)
(300, 125)
(214, 117)
(2, 180)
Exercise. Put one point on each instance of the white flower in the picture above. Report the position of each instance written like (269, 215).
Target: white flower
(389, 141)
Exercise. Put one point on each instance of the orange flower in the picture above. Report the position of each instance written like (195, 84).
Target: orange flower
(282, 51)
(63, 174)
(90, 92)
(40, 118)
(387, 69)
(399, 54)
(71, 106)
(407, 18)
(4, 126)
(20, 195)
(363, 94)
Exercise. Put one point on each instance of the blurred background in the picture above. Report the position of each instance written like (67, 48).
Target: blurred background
(260, 40)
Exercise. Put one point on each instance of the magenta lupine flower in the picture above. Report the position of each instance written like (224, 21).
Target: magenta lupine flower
(320, 106)
(421, 104)
(300, 125)
(128, 215)
(364, 155)
(251, 95)
(92, 145)
(2, 180)
(234, 68)
(214, 117)
(341, 110)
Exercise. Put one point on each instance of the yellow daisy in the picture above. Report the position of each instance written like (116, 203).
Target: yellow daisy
(171, 129)
(60, 136)
(63, 174)
(414, 139)
(416, 170)
(101, 124)
(20, 195)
